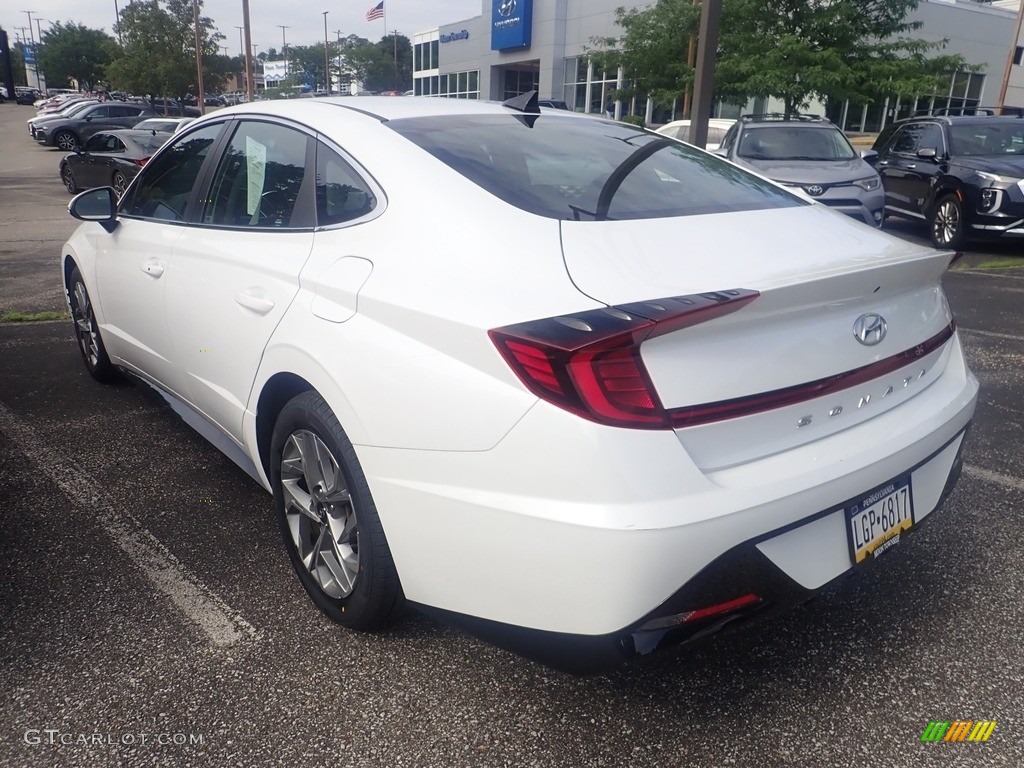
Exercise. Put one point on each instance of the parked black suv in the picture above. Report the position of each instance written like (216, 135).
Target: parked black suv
(960, 173)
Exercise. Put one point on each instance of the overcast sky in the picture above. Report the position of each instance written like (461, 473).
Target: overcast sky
(304, 18)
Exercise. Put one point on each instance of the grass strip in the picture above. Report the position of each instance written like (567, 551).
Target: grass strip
(15, 316)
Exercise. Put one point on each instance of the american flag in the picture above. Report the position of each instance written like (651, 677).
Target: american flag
(377, 12)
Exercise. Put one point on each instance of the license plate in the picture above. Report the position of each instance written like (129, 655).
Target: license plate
(875, 521)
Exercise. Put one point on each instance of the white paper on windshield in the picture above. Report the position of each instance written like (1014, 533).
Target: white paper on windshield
(256, 162)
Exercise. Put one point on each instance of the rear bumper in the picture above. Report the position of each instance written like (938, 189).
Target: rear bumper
(755, 569)
(568, 537)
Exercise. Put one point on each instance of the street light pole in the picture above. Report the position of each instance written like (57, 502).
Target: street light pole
(35, 57)
(284, 45)
(199, 58)
(338, 33)
(327, 59)
(249, 85)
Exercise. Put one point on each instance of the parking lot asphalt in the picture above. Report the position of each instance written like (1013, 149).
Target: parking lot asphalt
(149, 615)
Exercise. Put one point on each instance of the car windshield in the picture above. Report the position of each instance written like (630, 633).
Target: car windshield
(74, 109)
(794, 142)
(586, 170)
(1003, 138)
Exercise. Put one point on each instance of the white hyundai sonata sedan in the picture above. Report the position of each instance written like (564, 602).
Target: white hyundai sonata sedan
(583, 390)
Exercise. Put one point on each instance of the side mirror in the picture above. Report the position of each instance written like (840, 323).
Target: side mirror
(927, 153)
(868, 156)
(720, 152)
(99, 205)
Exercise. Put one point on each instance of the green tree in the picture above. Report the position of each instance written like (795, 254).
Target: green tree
(652, 49)
(73, 52)
(797, 50)
(158, 48)
(377, 65)
(17, 66)
(794, 50)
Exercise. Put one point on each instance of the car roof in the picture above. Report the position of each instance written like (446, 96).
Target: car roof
(718, 122)
(380, 107)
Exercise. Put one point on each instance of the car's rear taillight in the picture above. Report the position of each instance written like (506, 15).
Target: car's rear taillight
(140, 161)
(589, 363)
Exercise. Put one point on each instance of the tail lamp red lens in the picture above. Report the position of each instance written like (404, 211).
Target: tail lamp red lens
(140, 161)
(589, 363)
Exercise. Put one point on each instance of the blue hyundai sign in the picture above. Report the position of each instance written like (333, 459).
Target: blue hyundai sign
(511, 24)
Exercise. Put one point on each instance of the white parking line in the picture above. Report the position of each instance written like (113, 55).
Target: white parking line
(991, 334)
(994, 477)
(982, 273)
(221, 624)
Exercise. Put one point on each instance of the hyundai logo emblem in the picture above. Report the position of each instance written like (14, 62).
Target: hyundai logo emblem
(869, 329)
(506, 7)
(815, 190)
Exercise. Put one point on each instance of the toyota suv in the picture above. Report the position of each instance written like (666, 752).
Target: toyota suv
(810, 155)
(962, 174)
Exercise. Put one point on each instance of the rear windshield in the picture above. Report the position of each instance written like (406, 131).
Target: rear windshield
(588, 170)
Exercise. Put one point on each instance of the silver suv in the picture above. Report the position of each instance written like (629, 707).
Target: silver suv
(811, 155)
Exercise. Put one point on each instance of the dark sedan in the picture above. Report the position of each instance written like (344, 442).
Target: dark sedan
(171, 108)
(110, 159)
(70, 133)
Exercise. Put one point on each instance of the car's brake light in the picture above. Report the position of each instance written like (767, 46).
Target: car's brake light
(589, 363)
(140, 161)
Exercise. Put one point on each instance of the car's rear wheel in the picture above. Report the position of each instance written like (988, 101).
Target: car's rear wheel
(328, 519)
(66, 141)
(90, 344)
(68, 177)
(120, 184)
(947, 223)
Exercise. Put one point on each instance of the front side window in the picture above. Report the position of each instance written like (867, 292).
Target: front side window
(906, 139)
(166, 185)
(569, 168)
(102, 142)
(259, 179)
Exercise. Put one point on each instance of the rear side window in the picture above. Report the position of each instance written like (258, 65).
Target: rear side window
(587, 170)
(341, 195)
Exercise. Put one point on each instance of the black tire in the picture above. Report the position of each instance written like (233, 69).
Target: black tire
(68, 177)
(348, 574)
(66, 141)
(946, 223)
(90, 343)
(120, 183)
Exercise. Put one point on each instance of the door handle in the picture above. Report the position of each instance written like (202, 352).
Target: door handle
(153, 268)
(911, 165)
(883, 162)
(261, 305)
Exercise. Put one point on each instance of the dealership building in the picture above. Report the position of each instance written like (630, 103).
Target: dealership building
(514, 46)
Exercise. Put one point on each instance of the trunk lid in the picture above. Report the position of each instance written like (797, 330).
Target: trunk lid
(817, 273)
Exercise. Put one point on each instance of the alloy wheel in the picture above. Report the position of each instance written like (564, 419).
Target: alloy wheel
(120, 184)
(946, 224)
(85, 325)
(320, 514)
(68, 177)
(66, 141)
